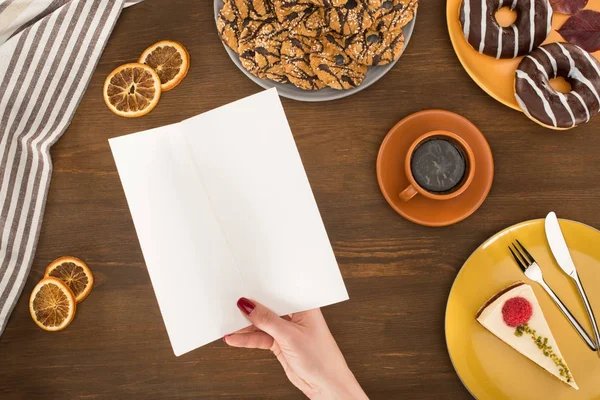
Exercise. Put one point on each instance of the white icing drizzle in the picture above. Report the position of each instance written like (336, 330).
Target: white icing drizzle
(539, 66)
(500, 34)
(516, 30)
(532, 24)
(560, 96)
(576, 74)
(522, 105)
(514, 4)
(483, 25)
(565, 103)
(540, 94)
(549, 21)
(467, 16)
(552, 60)
(587, 112)
(594, 64)
(592, 61)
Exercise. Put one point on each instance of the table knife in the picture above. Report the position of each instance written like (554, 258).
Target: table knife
(559, 249)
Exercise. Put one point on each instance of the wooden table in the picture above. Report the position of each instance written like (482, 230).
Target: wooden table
(398, 274)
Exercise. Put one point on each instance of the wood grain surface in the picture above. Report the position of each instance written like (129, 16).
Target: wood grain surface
(398, 274)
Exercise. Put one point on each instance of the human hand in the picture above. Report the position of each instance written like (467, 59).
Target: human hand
(305, 348)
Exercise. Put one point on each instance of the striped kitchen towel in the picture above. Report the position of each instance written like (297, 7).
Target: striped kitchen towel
(48, 52)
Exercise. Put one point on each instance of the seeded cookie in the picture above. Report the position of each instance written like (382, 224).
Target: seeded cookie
(265, 37)
(254, 9)
(374, 7)
(331, 43)
(350, 18)
(230, 24)
(310, 22)
(328, 3)
(335, 68)
(259, 48)
(375, 47)
(276, 73)
(295, 56)
(285, 8)
(395, 14)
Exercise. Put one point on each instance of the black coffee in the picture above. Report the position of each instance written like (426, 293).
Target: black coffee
(438, 165)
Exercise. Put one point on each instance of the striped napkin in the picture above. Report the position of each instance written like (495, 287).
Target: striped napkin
(48, 52)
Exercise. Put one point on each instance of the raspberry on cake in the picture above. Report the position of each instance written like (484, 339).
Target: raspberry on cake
(516, 311)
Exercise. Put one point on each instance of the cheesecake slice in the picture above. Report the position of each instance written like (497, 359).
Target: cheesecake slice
(515, 317)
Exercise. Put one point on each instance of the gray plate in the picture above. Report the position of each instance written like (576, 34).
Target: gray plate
(292, 92)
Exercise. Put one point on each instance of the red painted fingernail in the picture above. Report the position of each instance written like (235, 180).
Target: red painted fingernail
(245, 305)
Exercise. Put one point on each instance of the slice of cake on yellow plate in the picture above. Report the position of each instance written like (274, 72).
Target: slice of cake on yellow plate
(515, 316)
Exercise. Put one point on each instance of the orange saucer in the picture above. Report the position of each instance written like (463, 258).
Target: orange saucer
(392, 177)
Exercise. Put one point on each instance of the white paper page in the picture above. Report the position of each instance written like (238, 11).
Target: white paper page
(223, 209)
(264, 204)
(187, 256)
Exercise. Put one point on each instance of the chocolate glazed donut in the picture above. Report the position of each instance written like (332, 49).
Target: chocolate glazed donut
(548, 107)
(484, 34)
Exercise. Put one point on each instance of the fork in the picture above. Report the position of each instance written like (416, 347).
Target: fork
(532, 270)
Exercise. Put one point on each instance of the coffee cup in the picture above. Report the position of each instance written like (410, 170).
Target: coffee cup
(439, 165)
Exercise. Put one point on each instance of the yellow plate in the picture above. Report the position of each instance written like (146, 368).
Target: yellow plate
(488, 367)
(496, 77)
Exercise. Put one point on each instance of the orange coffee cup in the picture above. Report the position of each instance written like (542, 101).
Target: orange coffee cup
(414, 188)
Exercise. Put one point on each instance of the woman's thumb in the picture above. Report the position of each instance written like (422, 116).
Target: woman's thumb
(263, 318)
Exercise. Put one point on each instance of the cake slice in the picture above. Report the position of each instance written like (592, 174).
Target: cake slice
(515, 317)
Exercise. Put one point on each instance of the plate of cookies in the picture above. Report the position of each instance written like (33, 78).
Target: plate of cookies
(522, 53)
(315, 50)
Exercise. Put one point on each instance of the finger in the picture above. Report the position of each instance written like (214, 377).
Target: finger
(252, 340)
(264, 319)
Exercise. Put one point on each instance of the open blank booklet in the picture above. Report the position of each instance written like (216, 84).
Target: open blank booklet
(223, 209)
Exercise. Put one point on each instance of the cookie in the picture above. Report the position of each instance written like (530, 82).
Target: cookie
(333, 66)
(329, 3)
(349, 19)
(276, 73)
(395, 14)
(259, 48)
(374, 7)
(375, 47)
(310, 22)
(295, 56)
(290, 9)
(230, 24)
(254, 9)
(331, 43)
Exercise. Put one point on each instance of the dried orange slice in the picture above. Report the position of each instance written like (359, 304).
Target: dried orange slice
(170, 60)
(74, 273)
(52, 304)
(132, 90)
